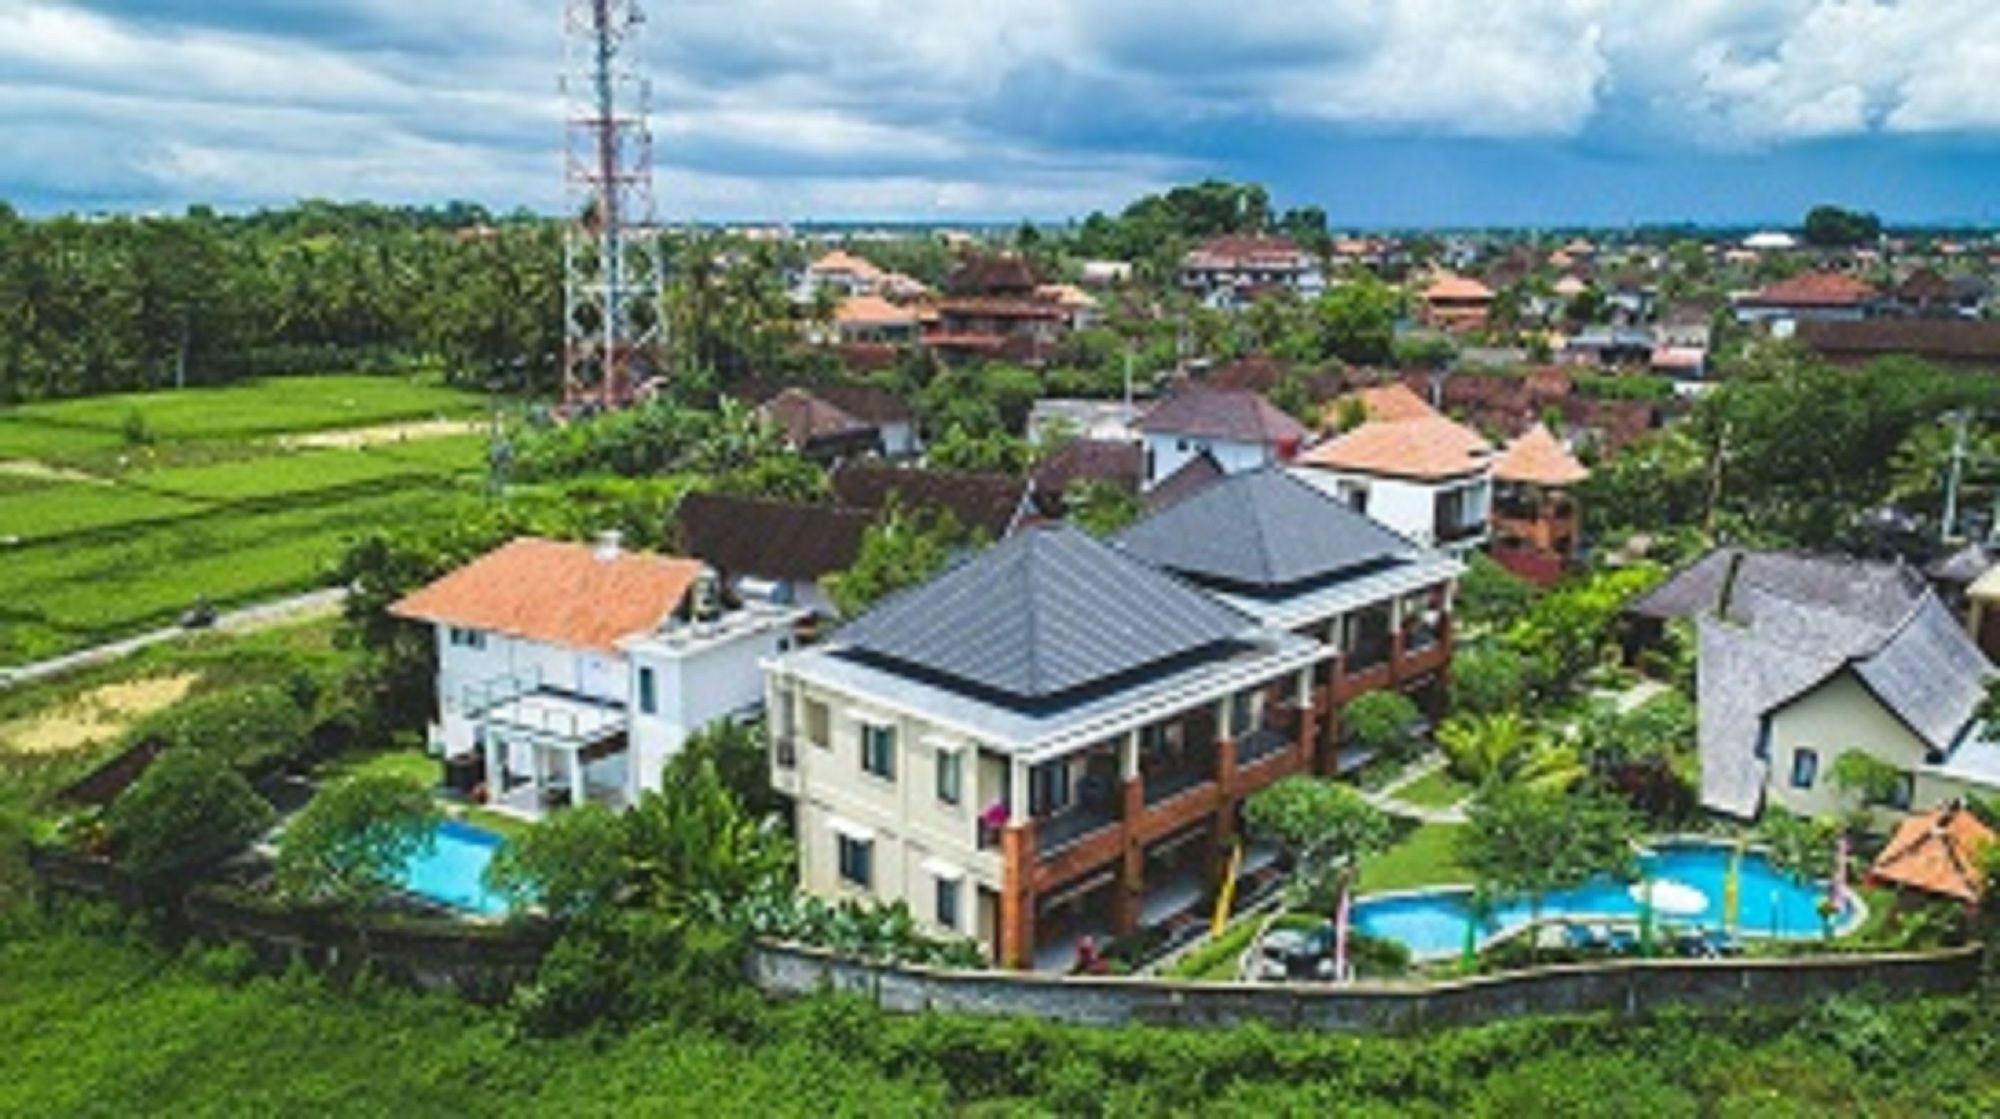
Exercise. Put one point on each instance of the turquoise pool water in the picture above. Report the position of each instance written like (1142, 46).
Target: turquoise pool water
(452, 872)
(1771, 903)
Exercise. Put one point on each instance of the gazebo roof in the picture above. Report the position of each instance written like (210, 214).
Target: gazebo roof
(1937, 852)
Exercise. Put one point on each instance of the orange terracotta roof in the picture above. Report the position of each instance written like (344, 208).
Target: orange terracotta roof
(1936, 852)
(839, 261)
(1538, 459)
(564, 594)
(1815, 289)
(1431, 448)
(872, 310)
(1393, 401)
(1449, 286)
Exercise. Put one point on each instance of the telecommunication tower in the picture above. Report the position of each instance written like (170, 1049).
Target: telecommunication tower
(612, 269)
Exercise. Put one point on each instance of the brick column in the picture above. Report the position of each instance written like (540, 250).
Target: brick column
(1017, 895)
(1128, 892)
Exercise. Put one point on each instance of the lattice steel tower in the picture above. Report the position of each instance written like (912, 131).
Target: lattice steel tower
(612, 273)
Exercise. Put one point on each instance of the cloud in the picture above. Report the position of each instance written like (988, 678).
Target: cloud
(980, 107)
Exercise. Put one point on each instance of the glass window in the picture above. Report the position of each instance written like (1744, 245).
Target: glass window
(1242, 715)
(649, 694)
(878, 750)
(950, 775)
(857, 861)
(1048, 790)
(947, 903)
(817, 724)
(1903, 791)
(1805, 768)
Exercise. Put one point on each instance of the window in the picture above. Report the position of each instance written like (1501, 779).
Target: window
(1242, 714)
(878, 750)
(857, 861)
(649, 693)
(1901, 792)
(947, 903)
(468, 638)
(950, 775)
(817, 722)
(1805, 768)
(1048, 788)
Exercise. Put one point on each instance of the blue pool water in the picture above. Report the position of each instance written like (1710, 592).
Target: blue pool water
(453, 871)
(1770, 903)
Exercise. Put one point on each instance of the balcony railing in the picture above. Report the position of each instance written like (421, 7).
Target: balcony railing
(1053, 833)
(1451, 532)
(1169, 783)
(1264, 742)
(1365, 655)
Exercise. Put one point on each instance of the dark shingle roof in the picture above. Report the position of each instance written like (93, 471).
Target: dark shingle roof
(1241, 417)
(986, 503)
(1115, 461)
(1047, 612)
(771, 539)
(1261, 529)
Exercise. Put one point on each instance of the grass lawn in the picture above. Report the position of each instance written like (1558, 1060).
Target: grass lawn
(1436, 789)
(1423, 857)
(84, 430)
(224, 511)
(410, 765)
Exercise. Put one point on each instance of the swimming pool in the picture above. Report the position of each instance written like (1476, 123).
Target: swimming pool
(453, 871)
(1431, 923)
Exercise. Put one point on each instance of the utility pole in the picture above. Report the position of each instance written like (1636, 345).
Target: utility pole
(1949, 529)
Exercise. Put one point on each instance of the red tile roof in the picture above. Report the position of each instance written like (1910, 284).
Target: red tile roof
(574, 595)
(1815, 289)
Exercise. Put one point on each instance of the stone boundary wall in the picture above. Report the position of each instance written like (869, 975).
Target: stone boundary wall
(1626, 987)
(483, 962)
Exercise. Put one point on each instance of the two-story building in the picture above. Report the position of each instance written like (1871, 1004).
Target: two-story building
(1428, 477)
(1536, 523)
(1222, 268)
(570, 673)
(1055, 738)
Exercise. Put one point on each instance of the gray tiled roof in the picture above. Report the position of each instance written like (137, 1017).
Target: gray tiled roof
(1880, 592)
(1050, 610)
(1264, 528)
(1930, 674)
(1211, 413)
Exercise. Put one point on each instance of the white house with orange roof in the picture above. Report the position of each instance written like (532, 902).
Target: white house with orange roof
(1421, 473)
(844, 272)
(1455, 303)
(572, 672)
(871, 318)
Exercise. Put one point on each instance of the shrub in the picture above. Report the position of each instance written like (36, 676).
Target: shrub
(188, 809)
(572, 864)
(249, 728)
(1488, 681)
(1382, 722)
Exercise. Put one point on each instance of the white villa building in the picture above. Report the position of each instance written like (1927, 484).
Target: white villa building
(570, 672)
(1429, 478)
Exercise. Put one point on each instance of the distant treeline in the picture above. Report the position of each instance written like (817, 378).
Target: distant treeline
(93, 305)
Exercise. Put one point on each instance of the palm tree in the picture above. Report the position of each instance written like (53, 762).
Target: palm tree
(1498, 749)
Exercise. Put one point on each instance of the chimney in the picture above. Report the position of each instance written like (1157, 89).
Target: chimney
(610, 544)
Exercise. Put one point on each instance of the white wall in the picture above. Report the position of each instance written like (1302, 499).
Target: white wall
(708, 680)
(1166, 454)
(1836, 717)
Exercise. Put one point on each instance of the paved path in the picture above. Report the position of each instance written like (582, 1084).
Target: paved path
(1385, 797)
(248, 619)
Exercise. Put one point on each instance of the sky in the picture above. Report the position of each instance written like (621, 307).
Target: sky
(1384, 112)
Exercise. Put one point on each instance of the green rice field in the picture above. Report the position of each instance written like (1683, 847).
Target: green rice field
(102, 536)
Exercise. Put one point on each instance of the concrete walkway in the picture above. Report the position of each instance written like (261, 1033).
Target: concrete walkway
(1385, 797)
(248, 619)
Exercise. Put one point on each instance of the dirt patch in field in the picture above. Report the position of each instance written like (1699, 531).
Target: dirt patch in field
(355, 438)
(98, 715)
(29, 468)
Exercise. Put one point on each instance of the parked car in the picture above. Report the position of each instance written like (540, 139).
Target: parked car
(1295, 953)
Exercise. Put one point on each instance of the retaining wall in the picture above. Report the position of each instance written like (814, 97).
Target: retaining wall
(1626, 987)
